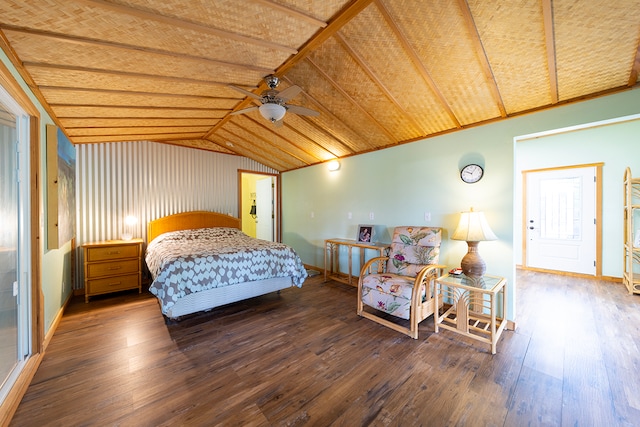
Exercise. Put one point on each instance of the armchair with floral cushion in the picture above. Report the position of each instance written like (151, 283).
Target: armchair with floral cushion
(402, 283)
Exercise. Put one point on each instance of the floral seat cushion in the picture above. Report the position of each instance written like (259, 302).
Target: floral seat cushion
(412, 249)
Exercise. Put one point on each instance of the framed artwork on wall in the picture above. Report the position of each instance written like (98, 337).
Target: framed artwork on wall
(61, 188)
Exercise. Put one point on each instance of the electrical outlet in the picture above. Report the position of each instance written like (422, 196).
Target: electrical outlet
(349, 215)
(427, 216)
(313, 214)
(371, 216)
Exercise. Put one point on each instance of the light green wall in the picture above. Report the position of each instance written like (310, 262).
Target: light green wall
(616, 144)
(400, 184)
(55, 264)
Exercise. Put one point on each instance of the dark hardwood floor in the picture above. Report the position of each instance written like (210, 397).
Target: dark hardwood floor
(304, 357)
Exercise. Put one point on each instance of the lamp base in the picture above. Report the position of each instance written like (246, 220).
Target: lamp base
(472, 264)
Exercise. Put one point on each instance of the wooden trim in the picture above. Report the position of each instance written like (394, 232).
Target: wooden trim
(547, 12)
(417, 62)
(12, 400)
(180, 23)
(277, 201)
(481, 54)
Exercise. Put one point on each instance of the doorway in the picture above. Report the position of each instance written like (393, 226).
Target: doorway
(561, 219)
(15, 260)
(258, 205)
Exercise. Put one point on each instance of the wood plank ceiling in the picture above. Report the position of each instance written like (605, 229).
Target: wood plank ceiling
(379, 72)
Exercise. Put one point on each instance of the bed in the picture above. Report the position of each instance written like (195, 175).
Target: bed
(201, 260)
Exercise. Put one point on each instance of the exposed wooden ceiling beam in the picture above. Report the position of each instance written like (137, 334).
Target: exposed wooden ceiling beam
(635, 69)
(367, 69)
(120, 73)
(341, 18)
(417, 63)
(187, 25)
(128, 48)
(481, 54)
(135, 92)
(277, 148)
(291, 12)
(353, 102)
(318, 106)
(549, 36)
(242, 147)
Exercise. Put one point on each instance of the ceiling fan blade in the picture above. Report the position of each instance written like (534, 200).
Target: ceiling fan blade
(296, 109)
(245, 92)
(279, 123)
(290, 92)
(244, 110)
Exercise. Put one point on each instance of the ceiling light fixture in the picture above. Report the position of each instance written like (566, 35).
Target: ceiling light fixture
(272, 112)
(333, 165)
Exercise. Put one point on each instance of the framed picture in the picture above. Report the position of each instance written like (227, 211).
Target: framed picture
(365, 233)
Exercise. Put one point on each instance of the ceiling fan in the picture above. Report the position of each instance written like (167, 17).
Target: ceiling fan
(274, 103)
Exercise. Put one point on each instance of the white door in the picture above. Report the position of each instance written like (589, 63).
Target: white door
(561, 220)
(264, 209)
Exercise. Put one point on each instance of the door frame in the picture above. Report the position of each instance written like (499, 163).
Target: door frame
(9, 405)
(598, 213)
(277, 206)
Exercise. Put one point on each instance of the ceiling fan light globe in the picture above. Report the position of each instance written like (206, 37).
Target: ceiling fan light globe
(272, 112)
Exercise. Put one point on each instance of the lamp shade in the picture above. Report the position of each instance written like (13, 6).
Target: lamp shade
(473, 227)
(272, 112)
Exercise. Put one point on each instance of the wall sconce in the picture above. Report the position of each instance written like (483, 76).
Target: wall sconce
(129, 225)
(473, 228)
(333, 165)
(253, 212)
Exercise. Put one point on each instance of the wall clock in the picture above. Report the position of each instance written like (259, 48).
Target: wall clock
(471, 173)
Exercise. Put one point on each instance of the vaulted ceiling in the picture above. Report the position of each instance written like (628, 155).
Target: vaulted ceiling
(379, 72)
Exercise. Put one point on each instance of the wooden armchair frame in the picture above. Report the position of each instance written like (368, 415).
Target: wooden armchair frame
(419, 310)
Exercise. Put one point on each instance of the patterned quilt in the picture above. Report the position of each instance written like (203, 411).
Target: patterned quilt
(189, 261)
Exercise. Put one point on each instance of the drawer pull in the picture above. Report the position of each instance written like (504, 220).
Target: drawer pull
(117, 267)
(113, 252)
(114, 284)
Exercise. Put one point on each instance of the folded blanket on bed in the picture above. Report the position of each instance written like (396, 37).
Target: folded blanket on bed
(188, 261)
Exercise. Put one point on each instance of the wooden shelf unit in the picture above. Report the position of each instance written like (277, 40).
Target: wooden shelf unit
(111, 266)
(631, 271)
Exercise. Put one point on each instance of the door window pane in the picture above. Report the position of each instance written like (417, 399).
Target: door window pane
(560, 212)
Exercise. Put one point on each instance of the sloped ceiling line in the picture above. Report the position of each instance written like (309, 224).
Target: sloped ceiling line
(547, 13)
(273, 143)
(275, 160)
(353, 102)
(417, 62)
(128, 48)
(327, 131)
(247, 142)
(383, 87)
(181, 23)
(481, 54)
(635, 69)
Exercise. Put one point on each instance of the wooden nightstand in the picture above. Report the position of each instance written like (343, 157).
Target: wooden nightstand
(111, 266)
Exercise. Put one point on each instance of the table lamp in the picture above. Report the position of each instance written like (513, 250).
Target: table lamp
(473, 228)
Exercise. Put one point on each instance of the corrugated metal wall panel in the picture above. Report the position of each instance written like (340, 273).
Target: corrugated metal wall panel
(150, 180)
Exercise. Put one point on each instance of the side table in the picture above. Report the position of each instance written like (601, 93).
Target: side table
(332, 258)
(469, 306)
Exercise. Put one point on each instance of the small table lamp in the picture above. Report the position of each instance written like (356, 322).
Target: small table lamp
(473, 228)
(129, 225)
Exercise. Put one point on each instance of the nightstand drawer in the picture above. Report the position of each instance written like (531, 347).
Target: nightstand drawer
(102, 269)
(107, 253)
(113, 284)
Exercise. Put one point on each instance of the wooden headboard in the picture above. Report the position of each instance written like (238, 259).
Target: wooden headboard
(189, 220)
